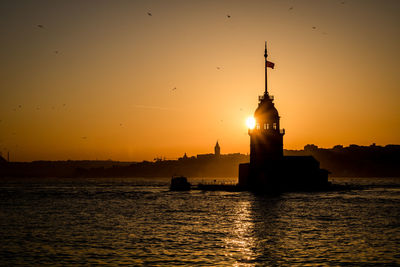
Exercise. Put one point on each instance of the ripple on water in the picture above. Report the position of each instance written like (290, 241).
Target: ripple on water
(140, 222)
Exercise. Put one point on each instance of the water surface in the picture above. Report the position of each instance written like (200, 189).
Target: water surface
(140, 222)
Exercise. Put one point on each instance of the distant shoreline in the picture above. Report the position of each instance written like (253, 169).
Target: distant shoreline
(352, 161)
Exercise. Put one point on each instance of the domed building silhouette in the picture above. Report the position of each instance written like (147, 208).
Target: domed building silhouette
(269, 169)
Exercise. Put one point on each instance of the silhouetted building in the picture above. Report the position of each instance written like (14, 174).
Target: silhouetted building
(210, 156)
(217, 150)
(266, 139)
(310, 147)
(268, 169)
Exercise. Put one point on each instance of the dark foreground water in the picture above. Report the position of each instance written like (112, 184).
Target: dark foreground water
(139, 222)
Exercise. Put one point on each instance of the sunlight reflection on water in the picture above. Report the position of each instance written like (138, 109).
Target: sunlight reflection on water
(140, 222)
(240, 242)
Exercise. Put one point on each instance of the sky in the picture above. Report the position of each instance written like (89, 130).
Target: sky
(105, 80)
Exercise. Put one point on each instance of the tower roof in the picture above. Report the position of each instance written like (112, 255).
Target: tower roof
(266, 109)
(217, 145)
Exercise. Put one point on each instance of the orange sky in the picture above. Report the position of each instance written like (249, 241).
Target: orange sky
(108, 91)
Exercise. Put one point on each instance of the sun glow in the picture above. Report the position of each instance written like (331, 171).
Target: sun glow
(250, 122)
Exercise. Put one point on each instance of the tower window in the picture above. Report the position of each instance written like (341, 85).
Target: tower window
(274, 126)
(265, 126)
(258, 126)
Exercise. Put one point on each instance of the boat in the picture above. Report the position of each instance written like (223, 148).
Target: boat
(179, 183)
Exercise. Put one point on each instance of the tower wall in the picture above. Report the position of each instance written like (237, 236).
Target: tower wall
(265, 145)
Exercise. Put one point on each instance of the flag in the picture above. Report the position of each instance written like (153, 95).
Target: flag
(270, 64)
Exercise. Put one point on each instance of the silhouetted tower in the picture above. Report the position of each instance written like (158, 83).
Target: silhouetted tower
(217, 150)
(266, 139)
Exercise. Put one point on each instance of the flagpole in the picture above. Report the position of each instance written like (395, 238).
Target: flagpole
(266, 67)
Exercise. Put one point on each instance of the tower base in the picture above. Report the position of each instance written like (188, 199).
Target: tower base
(290, 173)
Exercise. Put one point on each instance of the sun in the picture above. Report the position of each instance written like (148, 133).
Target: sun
(250, 122)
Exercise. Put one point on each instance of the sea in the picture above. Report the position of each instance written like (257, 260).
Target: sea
(139, 222)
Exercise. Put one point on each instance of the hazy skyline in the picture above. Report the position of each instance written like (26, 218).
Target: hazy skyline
(105, 80)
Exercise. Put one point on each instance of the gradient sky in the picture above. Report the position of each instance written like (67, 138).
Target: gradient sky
(96, 81)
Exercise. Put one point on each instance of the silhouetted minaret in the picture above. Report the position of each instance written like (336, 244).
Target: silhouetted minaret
(217, 150)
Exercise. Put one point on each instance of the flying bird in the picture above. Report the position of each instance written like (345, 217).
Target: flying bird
(148, 13)
(218, 68)
(173, 89)
(40, 26)
(84, 137)
(55, 51)
(314, 27)
(228, 16)
(290, 8)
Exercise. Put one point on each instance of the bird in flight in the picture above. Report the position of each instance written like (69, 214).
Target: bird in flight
(290, 8)
(40, 26)
(55, 51)
(218, 68)
(173, 89)
(314, 27)
(148, 13)
(84, 137)
(228, 16)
